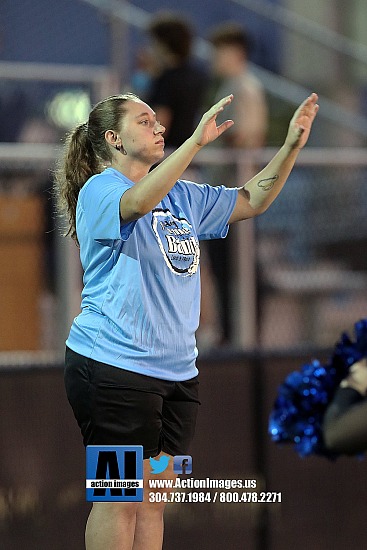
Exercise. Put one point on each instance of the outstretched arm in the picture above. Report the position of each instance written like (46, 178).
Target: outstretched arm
(258, 193)
(150, 190)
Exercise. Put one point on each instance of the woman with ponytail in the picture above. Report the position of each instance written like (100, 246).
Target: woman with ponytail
(130, 373)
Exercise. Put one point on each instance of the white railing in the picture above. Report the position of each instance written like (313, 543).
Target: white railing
(102, 80)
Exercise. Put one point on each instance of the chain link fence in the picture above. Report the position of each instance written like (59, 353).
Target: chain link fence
(311, 255)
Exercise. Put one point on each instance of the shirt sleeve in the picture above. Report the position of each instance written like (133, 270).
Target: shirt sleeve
(211, 207)
(101, 205)
(345, 422)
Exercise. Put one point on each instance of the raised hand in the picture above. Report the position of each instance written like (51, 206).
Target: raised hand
(301, 123)
(207, 129)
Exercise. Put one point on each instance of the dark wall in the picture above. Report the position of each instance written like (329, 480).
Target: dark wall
(42, 470)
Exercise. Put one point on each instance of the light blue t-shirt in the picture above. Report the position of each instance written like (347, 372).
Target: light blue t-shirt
(141, 297)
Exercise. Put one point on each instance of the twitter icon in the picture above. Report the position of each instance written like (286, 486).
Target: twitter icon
(158, 466)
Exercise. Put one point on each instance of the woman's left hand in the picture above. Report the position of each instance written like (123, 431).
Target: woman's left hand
(301, 123)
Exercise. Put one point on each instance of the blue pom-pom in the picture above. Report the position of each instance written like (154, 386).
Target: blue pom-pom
(302, 399)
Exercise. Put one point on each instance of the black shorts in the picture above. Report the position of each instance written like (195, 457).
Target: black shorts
(114, 406)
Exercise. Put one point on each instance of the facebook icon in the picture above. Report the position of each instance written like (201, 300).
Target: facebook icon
(182, 464)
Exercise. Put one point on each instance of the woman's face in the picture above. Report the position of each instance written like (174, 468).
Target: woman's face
(141, 133)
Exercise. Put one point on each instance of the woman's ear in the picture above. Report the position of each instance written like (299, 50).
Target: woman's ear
(112, 138)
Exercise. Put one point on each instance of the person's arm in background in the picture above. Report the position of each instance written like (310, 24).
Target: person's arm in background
(160, 99)
(345, 421)
(251, 118)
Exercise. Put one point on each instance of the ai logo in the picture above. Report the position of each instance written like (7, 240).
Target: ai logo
(114, 473)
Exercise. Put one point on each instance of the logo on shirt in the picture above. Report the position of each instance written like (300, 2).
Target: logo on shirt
(176, 241)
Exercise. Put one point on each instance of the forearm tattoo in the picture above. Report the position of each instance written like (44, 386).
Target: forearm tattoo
(267, 183)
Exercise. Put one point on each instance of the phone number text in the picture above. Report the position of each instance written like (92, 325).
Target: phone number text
(217, 496)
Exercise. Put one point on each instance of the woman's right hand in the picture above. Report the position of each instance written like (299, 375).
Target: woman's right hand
(207, 129)
(357, 377)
